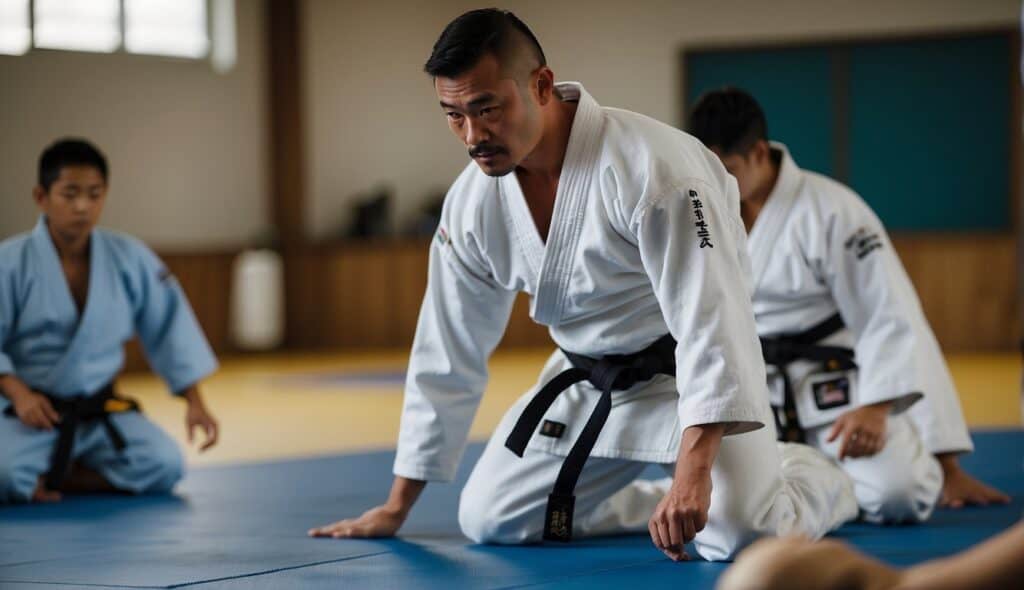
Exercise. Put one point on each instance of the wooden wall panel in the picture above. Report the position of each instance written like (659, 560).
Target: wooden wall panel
(368, 295)
(967, 286)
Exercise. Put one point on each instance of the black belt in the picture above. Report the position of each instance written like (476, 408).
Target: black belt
(610, 373)
(75, 411)
(780, 351)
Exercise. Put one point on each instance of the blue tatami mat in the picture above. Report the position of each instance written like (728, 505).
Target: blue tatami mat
(244, 527)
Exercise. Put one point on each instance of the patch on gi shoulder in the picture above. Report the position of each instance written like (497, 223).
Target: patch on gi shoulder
(862, 242)
(552, 429)
(701, 223)
(442, 237)
(164, 275)
(832, 393)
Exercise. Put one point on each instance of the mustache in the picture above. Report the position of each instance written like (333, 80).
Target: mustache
(483, 149)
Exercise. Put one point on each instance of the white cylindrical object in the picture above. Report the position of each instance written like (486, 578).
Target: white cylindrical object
(257, 302)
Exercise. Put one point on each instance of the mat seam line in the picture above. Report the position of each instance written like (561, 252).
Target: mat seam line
(80, 584)
(274, 571)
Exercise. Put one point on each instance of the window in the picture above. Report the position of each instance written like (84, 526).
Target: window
(15, 32)
(81, 25)
(177, 28)
(166, 27)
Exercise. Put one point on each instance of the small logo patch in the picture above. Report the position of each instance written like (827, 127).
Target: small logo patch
(442, 236)
(863, 243)
(552, 429)
(832, 394)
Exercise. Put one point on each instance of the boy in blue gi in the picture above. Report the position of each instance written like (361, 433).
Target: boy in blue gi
(70, 297)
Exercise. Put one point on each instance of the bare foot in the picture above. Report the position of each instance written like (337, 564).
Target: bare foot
(44, 495)
(960, 489)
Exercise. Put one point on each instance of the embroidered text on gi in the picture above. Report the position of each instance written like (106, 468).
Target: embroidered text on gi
(702, 226)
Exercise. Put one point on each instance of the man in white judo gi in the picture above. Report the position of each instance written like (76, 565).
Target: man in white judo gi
(847, 345)
(626, 235)
(71, 295)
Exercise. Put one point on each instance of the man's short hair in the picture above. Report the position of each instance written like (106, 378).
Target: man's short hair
(728, 119)
(486, 31)
(69, 151)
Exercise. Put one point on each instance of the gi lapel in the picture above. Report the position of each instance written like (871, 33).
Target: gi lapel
(91, 320)
(774, 216)
(578, 170)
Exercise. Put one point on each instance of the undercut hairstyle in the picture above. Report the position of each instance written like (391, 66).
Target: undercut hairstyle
(728, 119)
(69, 151)
(486, 31)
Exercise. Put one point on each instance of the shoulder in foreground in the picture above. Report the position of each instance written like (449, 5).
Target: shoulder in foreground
(638, 131)
(653, 154)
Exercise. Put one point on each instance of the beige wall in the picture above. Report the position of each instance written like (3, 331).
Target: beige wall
(372, 117)
(187, 146)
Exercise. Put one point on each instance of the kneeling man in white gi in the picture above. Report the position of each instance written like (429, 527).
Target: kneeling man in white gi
(846, 343)
(626, 235)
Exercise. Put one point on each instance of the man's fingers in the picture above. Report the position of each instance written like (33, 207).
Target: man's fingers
(211, 430)
(676, 554)
(844, 446)
(49, 412)
(327, 529)
(653, 530)
(40, 420)
(675, 532)
(664, 540)
(1000, 498)
(689, 531)
(837, 429)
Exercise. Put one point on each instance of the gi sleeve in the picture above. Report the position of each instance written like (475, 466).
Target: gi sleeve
(8, 313)
(694, 250)
(170, 334)
(877, 303)
(462, 319)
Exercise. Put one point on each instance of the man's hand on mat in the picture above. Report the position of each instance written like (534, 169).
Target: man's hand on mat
(382, 521)
(959, 489)
(34, 410)
(681, 514)
(197, 416)
(862, 430)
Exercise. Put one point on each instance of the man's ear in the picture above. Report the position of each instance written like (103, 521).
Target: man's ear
(544, 84)
(761, 152)
(39, 195)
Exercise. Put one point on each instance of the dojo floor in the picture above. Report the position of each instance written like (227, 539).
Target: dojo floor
(309, 439)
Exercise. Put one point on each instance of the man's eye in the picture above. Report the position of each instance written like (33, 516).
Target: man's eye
(454, 116)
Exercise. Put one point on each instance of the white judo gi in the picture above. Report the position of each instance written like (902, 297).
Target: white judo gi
(817, 249)
(45, 343)
(645, 240)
